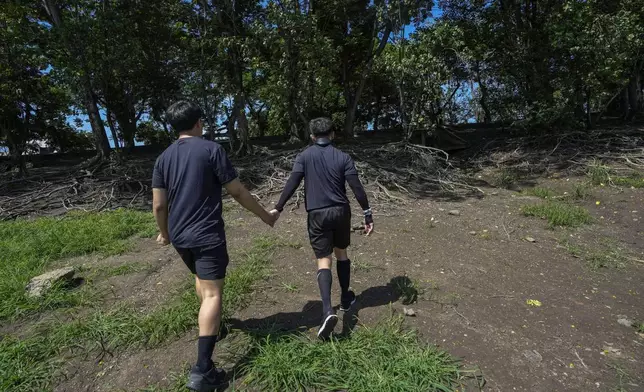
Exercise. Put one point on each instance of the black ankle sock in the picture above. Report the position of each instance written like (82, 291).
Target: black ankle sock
(205, 348)
(324, 281)
(344, 274)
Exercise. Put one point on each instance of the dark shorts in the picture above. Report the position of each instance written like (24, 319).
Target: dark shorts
(208, 262)
(329, 228)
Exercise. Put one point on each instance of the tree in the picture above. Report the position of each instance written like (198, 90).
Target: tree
(73, 57)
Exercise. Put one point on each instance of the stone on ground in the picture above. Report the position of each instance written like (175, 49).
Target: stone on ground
(40, 285)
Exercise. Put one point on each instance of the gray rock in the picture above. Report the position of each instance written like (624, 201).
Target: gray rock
(530, 239)
(409, 312)
(455, 212)
(533, 356)
(472, 233)
(622, 320)
(39, 285)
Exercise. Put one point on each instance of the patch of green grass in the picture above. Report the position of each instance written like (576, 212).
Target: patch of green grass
(581, 191)
(361, 265)
(382, 358)
(289, 287)
(609, 256)
(544, 193)
(603, 175)
(598, 173)
(406, 289)
(30, 364)
(571, 248)
(559, 213)
(639, 327)
(28, 248)
(635, 180)
(506, 178)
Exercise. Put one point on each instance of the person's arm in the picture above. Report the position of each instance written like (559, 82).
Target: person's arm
(352, 178)
(160, 203)
(239, 192)
(292, 184)
(289, 190)
(160, 211)
(227, 176)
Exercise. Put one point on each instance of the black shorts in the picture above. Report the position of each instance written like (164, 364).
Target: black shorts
(329, 228)
(208, 262)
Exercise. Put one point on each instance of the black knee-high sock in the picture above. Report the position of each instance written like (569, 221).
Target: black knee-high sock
(344, 274)
(205, 346)
(324, 281)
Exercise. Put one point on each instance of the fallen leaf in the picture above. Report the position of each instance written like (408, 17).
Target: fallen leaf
(533, 302)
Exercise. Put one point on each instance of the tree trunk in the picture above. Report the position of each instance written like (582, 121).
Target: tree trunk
(634, 96)
(377, 114)
(589, 112)
(245, 147)
(112, 125)
(127, 123)
(487, 116)
(89, 98)
(352, 105)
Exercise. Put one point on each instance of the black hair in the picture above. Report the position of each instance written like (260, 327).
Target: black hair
(321, 126)
(183, 115)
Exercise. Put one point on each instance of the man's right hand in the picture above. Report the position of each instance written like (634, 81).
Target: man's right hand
(161, 240)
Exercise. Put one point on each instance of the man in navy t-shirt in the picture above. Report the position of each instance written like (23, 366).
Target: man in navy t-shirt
(325, 170)
(186, 186)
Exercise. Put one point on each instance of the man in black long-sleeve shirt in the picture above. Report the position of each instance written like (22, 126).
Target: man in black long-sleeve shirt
(325, 170)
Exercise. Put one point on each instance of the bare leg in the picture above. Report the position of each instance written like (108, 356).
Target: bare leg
(198, 289)
(341, 254)
(210, 311)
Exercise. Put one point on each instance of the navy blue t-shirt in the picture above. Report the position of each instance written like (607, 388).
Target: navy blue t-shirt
(325, 170)
(193, 171)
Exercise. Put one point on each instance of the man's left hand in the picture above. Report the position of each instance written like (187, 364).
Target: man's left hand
(161, 240)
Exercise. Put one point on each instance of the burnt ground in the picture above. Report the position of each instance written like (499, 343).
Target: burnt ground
(474, 273)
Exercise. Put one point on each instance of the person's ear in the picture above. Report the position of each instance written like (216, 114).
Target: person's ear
(332, 135)
(313, 138)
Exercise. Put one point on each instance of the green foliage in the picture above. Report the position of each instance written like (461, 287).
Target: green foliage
(381, 358)
(30, 246)
(268, 67)
(559, 213)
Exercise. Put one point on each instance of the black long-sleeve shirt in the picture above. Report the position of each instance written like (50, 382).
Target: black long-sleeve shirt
(325, 170)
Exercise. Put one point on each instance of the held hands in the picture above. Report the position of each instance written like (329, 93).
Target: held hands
(368, 222)
(271, 218)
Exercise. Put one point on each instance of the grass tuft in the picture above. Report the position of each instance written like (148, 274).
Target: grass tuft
(382, 358)
(544, 193)
(559, 213)
(599, 174)
(30, 246)
(635, 180)
(406, 289)
(505, 178)
(640, 327)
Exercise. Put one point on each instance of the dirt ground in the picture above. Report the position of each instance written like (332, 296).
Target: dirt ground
(474, 270)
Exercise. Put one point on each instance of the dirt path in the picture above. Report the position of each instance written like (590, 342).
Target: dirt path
(474, 273)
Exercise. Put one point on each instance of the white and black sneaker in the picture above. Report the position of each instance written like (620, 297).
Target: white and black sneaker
(347, 301)
(329, 321)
